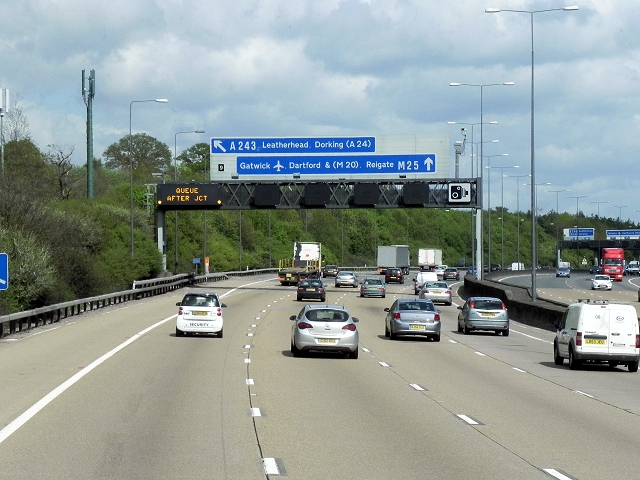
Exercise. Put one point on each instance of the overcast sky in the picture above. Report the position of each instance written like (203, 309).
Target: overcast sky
(346, 67)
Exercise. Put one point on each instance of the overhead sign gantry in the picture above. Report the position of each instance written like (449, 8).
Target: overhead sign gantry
(330, 158)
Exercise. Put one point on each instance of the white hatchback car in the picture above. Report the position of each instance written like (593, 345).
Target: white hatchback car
(199, 312)
(601, 282)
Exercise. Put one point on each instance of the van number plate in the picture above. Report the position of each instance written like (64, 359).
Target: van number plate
(590, 341)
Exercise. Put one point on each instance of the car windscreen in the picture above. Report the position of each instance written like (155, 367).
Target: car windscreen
(422, 306)
(327, 315)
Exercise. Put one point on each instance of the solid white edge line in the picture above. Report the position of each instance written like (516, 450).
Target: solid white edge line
(52, 395)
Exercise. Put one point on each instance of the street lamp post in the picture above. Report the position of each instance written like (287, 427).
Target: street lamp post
(175, 177)
(502, 210)
(479, 236)
(577, 197)
(534, 266)
(620, 211)
(606, 201)
(518, 177)
(534, 253)
(557, 192)
(489, 157)
(157, 100)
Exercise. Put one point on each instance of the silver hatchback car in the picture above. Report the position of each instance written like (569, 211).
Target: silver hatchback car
(436, 292)
(412, 317)
(346, 279)
(324, 328)
(483, 313)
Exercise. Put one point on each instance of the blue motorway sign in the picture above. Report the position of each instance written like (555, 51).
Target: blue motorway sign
(292, 145)
(581, 232)
(625, 234)
(336, 165)
(4, 271)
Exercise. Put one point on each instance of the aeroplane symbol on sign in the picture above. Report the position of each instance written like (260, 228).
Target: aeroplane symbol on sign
(278, 167)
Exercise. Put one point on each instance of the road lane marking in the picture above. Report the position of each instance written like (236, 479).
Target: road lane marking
(56, 392)
(557, 474)
(468, 420)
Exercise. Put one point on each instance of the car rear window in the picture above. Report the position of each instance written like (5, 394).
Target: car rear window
(374, 282)
(327, 315)
(487, 305)
(424, 306)
(195, 300)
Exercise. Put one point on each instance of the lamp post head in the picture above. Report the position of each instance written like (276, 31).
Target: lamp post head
(492, 10)
(570, 8)
(198, 131)
(161, 100)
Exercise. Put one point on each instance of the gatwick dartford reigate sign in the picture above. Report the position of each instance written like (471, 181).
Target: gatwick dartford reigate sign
(330, 158)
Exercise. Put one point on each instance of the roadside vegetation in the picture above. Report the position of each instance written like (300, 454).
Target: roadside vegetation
(63, 246)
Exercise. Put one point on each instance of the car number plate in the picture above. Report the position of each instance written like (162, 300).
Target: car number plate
(486, 314)
(311, 289)
(417, 327)
(591, 341)
(328, 340)
(199, 312)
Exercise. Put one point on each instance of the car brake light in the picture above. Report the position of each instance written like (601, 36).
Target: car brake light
(219, 313)
(300, 289)
(503, 306)
(303, 325)
(448, 291)
(436, 318)
(637, 341)
(473, 305)
(350, 326)
(180, 311)
(579, 339)
(396, 315)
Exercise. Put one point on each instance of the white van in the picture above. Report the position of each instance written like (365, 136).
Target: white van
(598, 331)
(422, 277)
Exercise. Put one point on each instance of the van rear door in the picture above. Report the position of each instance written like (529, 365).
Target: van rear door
(594, 329)
(623, 327)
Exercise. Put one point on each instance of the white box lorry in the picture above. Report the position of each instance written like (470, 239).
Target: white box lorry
(428, 258)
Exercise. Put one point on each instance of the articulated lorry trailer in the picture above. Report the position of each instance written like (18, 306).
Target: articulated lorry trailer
(306, 263)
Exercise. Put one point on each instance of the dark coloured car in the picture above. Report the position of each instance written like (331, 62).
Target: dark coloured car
(595, 269)
(394, 275)
(495, 267)
(313, 289)
(451, 273)
(330, 270)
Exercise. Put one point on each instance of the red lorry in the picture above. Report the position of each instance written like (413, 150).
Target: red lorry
(613, 263)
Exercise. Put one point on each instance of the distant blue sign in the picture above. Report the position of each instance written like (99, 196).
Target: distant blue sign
(4, 271)
(581, 232)
(292, 145)
(623, 234)
(336, 165)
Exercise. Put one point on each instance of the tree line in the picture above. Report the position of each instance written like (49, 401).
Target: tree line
(63, 246)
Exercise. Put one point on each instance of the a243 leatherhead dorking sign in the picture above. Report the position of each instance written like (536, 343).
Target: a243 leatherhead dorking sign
(378, 157)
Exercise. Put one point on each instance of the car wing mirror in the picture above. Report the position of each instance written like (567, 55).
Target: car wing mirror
(292, 317)
(460, 307)
(178, 304)
(223, 305)
(355, 319)
(386, 309)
